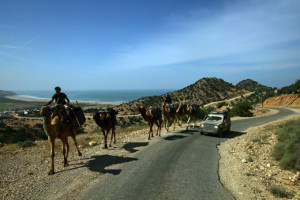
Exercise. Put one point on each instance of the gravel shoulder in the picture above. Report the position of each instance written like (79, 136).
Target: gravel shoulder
(246, 168)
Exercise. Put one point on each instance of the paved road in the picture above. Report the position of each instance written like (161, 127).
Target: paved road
(180, 166)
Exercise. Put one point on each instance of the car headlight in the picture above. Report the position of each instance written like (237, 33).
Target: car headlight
(202, 125)
(216, 126)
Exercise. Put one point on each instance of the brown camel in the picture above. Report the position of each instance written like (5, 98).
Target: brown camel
(152, 116)
(180, 112)
(170, 113)
(55, 128)
(106, 121)
(192, 112)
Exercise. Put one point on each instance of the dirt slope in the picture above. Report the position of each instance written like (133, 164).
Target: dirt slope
(287, 100)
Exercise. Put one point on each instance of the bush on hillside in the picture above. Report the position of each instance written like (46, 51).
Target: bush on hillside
(294, 88)
(219, 105)
(241, 109)
(287, 150)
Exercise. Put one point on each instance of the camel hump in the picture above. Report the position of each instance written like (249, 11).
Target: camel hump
(156, 113)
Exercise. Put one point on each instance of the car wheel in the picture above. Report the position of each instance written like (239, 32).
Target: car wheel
(201, 133)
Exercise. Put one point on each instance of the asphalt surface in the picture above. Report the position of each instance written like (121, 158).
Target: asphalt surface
(183, 165)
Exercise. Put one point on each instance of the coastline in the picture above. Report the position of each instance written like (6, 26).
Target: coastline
(72, 101)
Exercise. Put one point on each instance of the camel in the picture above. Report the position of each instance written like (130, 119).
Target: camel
(170, 113)
(106, 121)
(180, 112)
(55, 128)
(192, 112)
(152, 116)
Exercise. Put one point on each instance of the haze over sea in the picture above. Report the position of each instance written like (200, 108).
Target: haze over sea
(95, 95)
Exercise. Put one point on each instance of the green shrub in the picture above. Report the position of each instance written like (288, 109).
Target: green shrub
(287, 150)
(80, 130)
(2, 124)
(256, 140)
(26, 143)
(279, 191)
(219, 105)
(242, 109)
(250, 159)
(8, 129)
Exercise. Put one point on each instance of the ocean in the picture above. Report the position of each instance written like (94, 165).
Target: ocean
(95, 95)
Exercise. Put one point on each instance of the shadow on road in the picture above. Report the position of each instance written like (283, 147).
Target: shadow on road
(130, 146)
(231, 134)
(99, 163)
(174, 137)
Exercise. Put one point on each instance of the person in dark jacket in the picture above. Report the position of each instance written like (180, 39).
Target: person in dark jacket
(61, 100)
(59, 97)
(168, 99)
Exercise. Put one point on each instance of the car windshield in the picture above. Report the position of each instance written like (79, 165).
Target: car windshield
(213, 118)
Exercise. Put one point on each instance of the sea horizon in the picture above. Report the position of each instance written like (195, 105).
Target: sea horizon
(117, 96)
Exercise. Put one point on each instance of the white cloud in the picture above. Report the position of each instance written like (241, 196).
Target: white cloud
(246, 30)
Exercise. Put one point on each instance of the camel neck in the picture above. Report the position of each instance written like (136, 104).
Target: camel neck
(47, 120)
(143, 113)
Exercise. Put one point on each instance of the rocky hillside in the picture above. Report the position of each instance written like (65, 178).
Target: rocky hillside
(291, 89)
(287, 100)
(251, 85)
(4, 93)
(204, 91)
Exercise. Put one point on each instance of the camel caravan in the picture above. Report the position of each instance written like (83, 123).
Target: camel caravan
(64, 119)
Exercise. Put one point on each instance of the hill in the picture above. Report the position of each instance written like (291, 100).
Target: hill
(4, 93)
(203, 91)
(251, 85)
(294, 88)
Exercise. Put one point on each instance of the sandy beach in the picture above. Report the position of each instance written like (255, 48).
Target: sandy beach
(72, 102)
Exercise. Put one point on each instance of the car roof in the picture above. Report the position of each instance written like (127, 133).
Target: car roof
(215, 115)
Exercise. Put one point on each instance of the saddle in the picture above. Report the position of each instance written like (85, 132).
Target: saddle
(155, 113)
(70, 114)
(111, 112)
(172, 107)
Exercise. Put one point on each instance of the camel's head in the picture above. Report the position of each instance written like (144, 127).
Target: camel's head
(141, 109)
(97, 118)
(45, 111)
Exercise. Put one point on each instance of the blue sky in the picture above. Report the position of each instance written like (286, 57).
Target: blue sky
(143, 44)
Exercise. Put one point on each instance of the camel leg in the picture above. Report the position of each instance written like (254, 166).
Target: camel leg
(65, 143)
(174, 122)
(73, 135)
(180, 121)
(160, 124)
(52, 154)
(188, 123)
(68, 148)
(157, 124)
(166, 125)
(114, 133)
(105, 139)
(111, 138)
(151, 129)
(169, 123)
